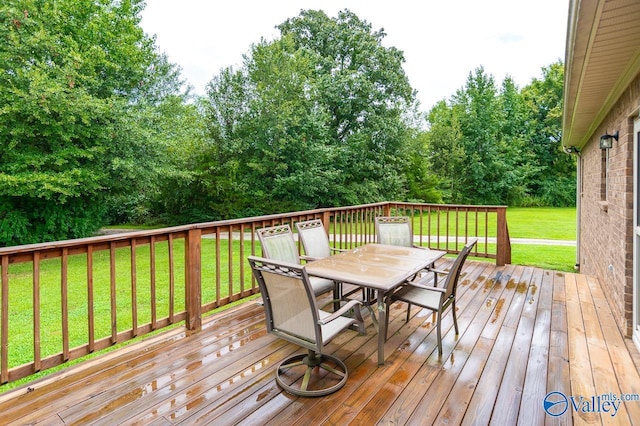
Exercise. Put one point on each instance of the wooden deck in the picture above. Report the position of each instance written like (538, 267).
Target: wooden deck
(524, 332)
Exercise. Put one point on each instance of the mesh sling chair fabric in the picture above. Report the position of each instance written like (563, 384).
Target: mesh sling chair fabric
(438, 299)
(315, 240)
(278, 244)
(394, 230)
(293, 315)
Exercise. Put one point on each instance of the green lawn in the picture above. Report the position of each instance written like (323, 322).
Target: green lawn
(542, 223)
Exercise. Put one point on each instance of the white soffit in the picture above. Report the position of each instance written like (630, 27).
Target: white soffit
(602, 59)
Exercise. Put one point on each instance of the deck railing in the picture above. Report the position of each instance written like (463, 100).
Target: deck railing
(67, 299)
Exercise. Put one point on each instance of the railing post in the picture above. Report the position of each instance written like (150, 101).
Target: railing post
(193, 280)
(503, 250)
(326, 217)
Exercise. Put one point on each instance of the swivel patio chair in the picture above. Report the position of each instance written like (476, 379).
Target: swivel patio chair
(278, 244)
(292, 314)
(435, 298)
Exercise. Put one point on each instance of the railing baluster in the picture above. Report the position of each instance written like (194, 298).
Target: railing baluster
(36, 311)
(476, 212)
(134, 287)
(466, 227)
(217, 263)
(4, 322)
(457, 229)
(90, 300)
(230, 264)
(486, 231)
(438, 229)
(241, 243)
(152, 274)
(429, 226)
(172, 288)
(112, 288)
(64, 289)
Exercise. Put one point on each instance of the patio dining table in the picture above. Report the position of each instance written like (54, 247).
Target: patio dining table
(377, 267)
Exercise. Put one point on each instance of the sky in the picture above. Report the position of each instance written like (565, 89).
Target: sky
(443, 41)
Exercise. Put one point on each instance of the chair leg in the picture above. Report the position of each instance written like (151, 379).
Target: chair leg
(408, 311)
(439, 334)
(455, 319)
(337, 295)
(386, 328)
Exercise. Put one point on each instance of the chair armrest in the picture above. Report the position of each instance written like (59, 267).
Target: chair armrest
(427, 287)
(308, 258)
(439, 271)
(342, 310)
(339, 250)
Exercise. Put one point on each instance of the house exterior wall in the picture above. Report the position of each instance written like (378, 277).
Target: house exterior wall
(606, 221)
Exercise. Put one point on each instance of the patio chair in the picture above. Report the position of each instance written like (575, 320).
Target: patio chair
(315, 242)
(292, 314)
(278, 244)
(435, 298)
(396, 231)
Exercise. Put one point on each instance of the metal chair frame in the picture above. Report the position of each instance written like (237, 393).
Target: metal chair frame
(438, 299)
(292, 314)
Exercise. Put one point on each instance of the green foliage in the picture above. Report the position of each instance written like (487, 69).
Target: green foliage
(317, 117)
(97, 129)
(75, 75)
(493, 146)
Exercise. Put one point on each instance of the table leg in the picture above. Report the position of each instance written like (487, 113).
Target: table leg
(382, 326)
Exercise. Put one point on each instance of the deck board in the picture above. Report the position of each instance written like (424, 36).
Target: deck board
(535, 384)
(524, 332)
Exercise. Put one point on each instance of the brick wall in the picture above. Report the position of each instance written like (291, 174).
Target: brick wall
(606, 231)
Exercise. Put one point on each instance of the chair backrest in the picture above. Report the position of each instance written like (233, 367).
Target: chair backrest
(451, 282)
(314, 238)
(278, 244)
(290, 305)
(394, 230)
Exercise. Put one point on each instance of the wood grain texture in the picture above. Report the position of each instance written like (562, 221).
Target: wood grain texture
(524, 332)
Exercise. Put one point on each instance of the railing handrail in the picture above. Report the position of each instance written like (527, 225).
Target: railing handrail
(226, 222)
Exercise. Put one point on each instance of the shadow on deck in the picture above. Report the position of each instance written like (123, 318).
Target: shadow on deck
(524, 332)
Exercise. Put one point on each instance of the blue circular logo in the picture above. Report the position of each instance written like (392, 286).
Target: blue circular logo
(555, 404)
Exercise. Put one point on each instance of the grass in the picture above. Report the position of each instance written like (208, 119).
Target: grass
(542, 223)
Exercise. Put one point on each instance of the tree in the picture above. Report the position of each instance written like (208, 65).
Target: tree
(447, 155)
(492, 146)
(554, 180)
(73, 73)
(487, 173)
(314, 118)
